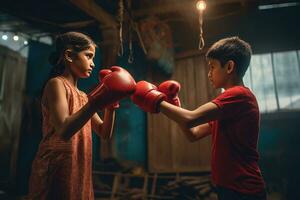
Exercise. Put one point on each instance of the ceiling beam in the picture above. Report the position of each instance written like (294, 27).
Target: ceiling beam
(78, 24)
(91, 8)
(175, 7)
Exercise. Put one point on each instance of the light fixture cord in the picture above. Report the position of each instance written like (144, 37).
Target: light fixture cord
(201, 39)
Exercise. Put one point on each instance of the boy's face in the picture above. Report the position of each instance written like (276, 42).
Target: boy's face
(217, 74)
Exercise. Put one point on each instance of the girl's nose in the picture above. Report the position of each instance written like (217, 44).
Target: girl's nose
(92, 64)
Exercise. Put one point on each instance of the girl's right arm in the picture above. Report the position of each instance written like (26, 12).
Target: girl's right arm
(64, 124)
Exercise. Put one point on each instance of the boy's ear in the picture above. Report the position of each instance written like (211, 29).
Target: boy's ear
(230, 66)
(68, 55)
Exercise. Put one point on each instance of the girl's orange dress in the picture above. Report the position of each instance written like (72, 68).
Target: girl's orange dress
(62, 170)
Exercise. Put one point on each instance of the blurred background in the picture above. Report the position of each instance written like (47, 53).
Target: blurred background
(155, 40)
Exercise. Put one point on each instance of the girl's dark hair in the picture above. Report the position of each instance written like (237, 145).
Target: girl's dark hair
(232, 48)
(70, 40)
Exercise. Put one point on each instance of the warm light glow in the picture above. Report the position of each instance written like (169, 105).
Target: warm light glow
(16, 38)
(201, 5)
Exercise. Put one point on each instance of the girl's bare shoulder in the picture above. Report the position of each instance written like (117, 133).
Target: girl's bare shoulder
(54, 87)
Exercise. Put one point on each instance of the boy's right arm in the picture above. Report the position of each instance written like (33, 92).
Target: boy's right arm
(193, 123)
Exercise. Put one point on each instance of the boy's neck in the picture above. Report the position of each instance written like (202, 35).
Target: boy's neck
(234, 82)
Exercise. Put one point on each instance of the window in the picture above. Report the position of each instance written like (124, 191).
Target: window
(275, 80)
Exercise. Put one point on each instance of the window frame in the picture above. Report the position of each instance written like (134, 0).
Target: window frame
(251, 85)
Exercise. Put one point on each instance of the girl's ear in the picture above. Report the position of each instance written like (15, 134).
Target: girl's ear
(230, 66)
(68, 55)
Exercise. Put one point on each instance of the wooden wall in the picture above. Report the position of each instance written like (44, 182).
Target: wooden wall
(168, 149)
(12, 79)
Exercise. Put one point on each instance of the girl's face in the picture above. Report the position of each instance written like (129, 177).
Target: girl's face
(82, 64)
(216, 74)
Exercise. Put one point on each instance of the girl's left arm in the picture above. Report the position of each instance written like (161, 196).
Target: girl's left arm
(104, 128)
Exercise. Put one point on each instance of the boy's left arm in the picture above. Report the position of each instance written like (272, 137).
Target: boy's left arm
(196, 133)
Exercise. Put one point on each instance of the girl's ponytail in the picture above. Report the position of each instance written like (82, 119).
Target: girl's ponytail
(58, 66)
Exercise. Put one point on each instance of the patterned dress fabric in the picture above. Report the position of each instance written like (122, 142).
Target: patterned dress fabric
(62, 170)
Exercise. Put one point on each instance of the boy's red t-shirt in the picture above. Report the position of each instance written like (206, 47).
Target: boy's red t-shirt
(234, 142)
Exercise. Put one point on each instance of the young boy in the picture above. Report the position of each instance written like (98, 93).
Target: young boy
(232, 119)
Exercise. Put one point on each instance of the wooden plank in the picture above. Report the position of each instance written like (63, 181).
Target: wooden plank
(154, 181)
(159, 152)
(13, 67)
(145, 187)
(169, 150)
(91, 8)
(116, 185)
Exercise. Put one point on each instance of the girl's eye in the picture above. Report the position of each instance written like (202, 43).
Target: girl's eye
(89, 55)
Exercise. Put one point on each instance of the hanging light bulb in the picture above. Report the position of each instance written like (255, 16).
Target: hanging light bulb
(16, 38)
(201, 5)
(4, 37)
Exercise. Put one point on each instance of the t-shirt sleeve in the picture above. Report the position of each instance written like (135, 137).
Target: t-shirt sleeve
(231, 102)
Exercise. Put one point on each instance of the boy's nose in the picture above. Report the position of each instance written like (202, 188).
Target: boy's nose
(209, 75)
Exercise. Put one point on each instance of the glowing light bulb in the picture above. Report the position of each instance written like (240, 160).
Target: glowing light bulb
(16, 38)
(201, 5)
(4, 37)
(25, 42)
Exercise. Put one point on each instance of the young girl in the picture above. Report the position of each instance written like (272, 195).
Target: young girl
(62, 169)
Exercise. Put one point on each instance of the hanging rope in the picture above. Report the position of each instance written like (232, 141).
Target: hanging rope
(201, 39)
(121, 19)
(136, 29)
(130, 57)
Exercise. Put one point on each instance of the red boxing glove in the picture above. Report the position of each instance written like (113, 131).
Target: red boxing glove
(171, 89)
(147, 97)
(101, 75)
(115, 86)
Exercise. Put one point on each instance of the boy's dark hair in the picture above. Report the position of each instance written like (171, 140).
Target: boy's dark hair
(75, 41)
(232, 48)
